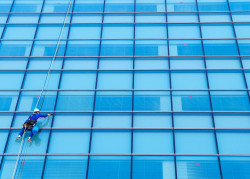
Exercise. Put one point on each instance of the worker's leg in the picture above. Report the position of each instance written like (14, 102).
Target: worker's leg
(21, 133)
(31, 135)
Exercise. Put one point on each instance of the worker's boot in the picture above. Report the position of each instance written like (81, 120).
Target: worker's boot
(29, 140)
(17, 138)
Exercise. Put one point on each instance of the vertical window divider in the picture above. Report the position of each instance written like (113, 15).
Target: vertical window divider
(24, 76)
(209, 93)
(96, 82)
(133, 97)
(170, 91)
(57, 94)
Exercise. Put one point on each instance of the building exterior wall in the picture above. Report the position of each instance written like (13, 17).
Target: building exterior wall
(139, 88)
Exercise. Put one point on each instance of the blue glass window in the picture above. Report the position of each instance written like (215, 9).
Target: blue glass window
(150, 31)
(152, 142)
(83, 31)
(180, 31)
(151, 17)
(217, 5)
(23, 18)
(118, 18)
(3, 138)
(235, 167)
(80, 63)
(191, 80)
(152, 101)
(230, 101)
(116, 63)
(11, 80)
(5, 120)
(8, 100)
(44, 63)
(242, 30)
(27, 6)
(151, 48)
(114, 80)
(232, 120)
(197, 167)
(112, 120)
(226, 80)
(150, 6)
(86, 18)
(119, 6)
(66, 167)
(185, 48)
(109, 167)
(32, 167)
(37, 146)
(13, 63)
(151, 63)
(233, 142)
(223, 63)
(187, 63)
(57, 6)
(183, 17)
(117, 48)
(15, 48)
(111, 141)
(244, 46)
(62, 141)
(76, 120)
(191, 101)
(181, 6)
(88, 6)
(5, 5)
(152, 120)
(24, 32)
(78, 80)
(151, 80)
(113, 31)
(241, 16)
(217, 31)
(215, 17)
(195, 142)
(193, 120)
(54, 18)
(29, 99)
(83, 48)
(157, 167)
(75, 101)
(242, 5)
(52, 32)
(113, 101)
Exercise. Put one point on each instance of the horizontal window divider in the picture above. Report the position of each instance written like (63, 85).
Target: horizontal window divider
(176, 12)
(69, 70)
(126, 39)
(126, 128)
(186, 56)
(123, 154)
(143, 23)
(6, 90)
(181, 112)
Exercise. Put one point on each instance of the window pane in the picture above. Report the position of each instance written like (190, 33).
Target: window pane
(27, 6)
(116, 63)
(153, 142)
(8, 100)
(15, 48)
(44, 63)
(151, 17)
(217, 5)
(185, 48)
(48, 48)
(65, 167)
(112, 120)
(217, 31)
(236, 5)
(215, 17)
(233, 142)
(229, 80)
(23, 18)
(13, 63)
(38, 145)
(180, 31)
(191, 80)
(232, 120)
(187, 63)
(69, 141)
(109, 167)
(83, 31)
(55, 18)
(111, 141)
(146, 31)
(113, 101)
(235, 167)
(5, 5)
(56, 6)
(117, 48)
(75, 101)
(230, 101)
(151, 63)
(197, 167)
(182, 17)
(3, 138)
(118, 18)
(120, 31)
(83, 48)
(152, 120)
(80, 63)
(191, 101)
(114, 80)
(151, 80)
(89, 6)
(72, 120)
(52, 32)
(31, 168)
(150, 6)
(181, 6)
(195, 142)
(157, 167)
(11, 80)
(86, 18)
(152, 101)
(119, 6)
(223, 63)
(5, 120)
(78, 80)
(24, 32)
(193, 120)
(151, 48)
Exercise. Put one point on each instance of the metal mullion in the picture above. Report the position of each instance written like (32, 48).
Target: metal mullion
(238, 49)
(186, 12)
(97, 73)
(209, 94)
(22, 84)
(171, 94)
(133, 96)
(58, 91)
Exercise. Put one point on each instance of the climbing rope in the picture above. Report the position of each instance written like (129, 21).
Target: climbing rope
(46, 82)
(20, 149)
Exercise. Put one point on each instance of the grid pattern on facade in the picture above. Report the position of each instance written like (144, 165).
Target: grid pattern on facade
(140, 88)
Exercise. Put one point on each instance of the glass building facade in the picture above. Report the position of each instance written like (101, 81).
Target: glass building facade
(140, 89)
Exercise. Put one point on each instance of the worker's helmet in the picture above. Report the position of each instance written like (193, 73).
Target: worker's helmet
(36, 110)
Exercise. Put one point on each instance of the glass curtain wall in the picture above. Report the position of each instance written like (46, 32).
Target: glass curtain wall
(140, 88)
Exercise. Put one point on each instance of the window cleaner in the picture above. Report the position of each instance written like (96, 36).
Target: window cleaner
(30, 124)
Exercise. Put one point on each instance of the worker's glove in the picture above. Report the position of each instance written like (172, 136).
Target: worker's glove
(51, 114)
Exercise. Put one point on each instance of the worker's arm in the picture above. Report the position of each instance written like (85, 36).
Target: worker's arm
(43, 116)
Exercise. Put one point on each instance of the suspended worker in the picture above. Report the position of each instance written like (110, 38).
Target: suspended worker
(31, 122)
